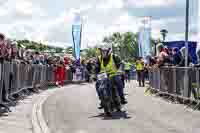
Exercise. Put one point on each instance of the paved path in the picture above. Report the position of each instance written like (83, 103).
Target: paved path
(74, 110)
(19, 120)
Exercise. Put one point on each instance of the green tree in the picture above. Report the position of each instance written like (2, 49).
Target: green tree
(90, 52)
(129, 45)
(124, 44)
(59, 50)
(38, 46)
(32, 46)
(107, 40)
(42, 47)
(69, 50)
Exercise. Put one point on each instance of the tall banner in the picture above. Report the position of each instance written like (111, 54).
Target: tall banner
(198, 23)
(145, 42)
(76, 35)
(145, 38)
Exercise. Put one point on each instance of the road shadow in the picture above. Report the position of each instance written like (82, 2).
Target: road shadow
(4, 114)
(115, 116)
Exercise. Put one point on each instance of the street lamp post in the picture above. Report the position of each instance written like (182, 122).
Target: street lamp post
(186, 78)
(155, 44)
(186, 32)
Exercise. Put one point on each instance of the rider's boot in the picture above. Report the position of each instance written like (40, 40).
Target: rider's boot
(108, 114)
(123, 100)
(100, 106)
(119, 110)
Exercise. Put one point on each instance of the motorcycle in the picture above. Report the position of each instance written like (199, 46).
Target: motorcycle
(108, 94)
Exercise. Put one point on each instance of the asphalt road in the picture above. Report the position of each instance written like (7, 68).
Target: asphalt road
(74, 110)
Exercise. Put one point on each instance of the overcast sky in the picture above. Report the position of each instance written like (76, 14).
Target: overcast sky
(51, 20)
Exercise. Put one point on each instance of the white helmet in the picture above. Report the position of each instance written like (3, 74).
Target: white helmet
(105, 46)
(105, 50)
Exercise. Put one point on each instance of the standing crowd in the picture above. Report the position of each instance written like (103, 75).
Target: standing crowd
(10, 52)
(169, 57)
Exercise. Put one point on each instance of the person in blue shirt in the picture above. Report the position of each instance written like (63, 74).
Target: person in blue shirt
(176, 56)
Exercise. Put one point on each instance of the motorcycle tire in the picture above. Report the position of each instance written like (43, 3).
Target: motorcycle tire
(116, 101)
(107, 105)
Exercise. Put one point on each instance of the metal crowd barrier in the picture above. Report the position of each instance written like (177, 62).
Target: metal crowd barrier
(178, 81)
(15, 79)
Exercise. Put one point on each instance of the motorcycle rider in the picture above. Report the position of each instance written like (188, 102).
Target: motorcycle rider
(110, 63)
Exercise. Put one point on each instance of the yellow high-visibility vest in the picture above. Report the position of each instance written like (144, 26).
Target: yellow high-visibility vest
(127, 66)
(110, 68)
(139, 66)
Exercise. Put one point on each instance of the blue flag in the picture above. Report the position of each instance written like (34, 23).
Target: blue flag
(145, 42)
(76, 35)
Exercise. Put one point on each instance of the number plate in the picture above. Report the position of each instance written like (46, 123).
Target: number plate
(102, 76)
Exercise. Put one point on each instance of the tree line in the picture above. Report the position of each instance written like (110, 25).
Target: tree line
(37, 46)
(123, 44)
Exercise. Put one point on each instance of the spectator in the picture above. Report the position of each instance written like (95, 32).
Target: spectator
(127, 68)
(176, 56)
(31, 59)
(66, 60)
(46, 58)
(198, 57)
(182, 62)
(89, 69)
(163, 56)
(140, 71)
(171, 57)
(14, 51)
(36, 58)
(159, 49)
(152, 61)
(78, 71)
(3, 49)
(60, 73)
(42, 60)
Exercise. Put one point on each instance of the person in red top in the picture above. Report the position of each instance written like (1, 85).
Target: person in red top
(4, 52)
(60, 73)
(162, 56)
(66, 60)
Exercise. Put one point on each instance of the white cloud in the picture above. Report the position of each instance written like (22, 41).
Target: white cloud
(151, 3)
(26, 7)
(55, 29)
(165, 23)
(81, 9)
(59, 44)
(43, 21)
(110, 4)
(3, 11)
(6, 6)
(125, 22)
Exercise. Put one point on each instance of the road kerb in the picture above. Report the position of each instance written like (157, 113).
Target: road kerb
(38, 122)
